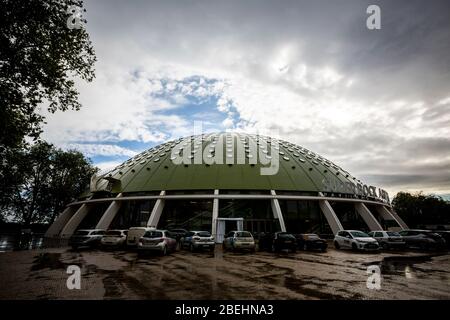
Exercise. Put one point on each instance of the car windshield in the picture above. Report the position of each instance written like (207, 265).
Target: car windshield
(82, 233)
(359, 234)
(204, 234)
(113, 233)
(153, 234)
(243, 234)
(285, 235)
(393, 234)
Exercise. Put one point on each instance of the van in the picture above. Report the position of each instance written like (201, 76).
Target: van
(135, 233)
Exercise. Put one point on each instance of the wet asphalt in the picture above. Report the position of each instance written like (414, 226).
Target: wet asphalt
(119, 274)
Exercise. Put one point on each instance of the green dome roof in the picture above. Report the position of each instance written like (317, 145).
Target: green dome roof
(299, 169)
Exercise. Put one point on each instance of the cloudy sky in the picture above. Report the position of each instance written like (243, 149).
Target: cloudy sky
(376, 102)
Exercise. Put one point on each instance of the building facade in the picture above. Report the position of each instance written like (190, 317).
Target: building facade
(229, 181)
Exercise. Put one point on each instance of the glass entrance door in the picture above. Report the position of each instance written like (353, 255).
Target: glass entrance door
(225, 225)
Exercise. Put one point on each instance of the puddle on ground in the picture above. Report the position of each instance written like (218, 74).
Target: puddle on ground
(48, 260)
(401, 265)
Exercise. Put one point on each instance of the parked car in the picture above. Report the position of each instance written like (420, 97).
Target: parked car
(311, 241)
(239, 240)
(86, 238)
(195, 240)
(388, 239)
(356, 240)
(157, 240)
(446, 236)
(178, 233)
(423, 239)
(135, 233)
(277, 241)
(114, 238)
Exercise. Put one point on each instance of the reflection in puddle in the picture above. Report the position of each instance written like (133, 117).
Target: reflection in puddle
(16, 242)
(402, 265)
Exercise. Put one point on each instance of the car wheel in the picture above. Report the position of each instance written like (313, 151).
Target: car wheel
(191, 248)
(336, 245)
(354, 247)
(164, 251)
(211, 249)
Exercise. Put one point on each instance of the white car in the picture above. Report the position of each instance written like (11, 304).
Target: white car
(356, 240)
(114, 238)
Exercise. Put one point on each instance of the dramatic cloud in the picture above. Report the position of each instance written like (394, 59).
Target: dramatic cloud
(377, 102)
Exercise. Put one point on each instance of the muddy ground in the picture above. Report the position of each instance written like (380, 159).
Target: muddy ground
(41, 274)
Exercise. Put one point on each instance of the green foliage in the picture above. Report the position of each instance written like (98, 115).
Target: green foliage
(39, 59)
(417, 209)
(42, 181)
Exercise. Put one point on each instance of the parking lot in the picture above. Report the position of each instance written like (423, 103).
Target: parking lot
(41, 274)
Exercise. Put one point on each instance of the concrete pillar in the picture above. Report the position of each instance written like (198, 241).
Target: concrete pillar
(156, 211)
(276, 209)
(367, 216)
(215, 215)
(330, 215)
(60, 222)
(396, 217)
(109, 214)
(74, 221)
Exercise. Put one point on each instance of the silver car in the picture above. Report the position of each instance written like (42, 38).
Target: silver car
(388, 239)
(194, 240)
(239, 240)
(86, 238)
(114, 238)
(157, 240)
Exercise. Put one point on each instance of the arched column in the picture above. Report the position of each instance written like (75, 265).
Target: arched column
(276, 210)
(215, 215)
(74, 221)
(367, 216)
(330, 215)
(391, 215)
(156, 211)
(60, 222)
(109, 214)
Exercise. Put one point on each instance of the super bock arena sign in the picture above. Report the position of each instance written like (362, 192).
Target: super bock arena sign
(355, 188)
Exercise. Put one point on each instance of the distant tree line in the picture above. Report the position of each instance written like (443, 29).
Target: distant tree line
(42, 181)
(420, 209)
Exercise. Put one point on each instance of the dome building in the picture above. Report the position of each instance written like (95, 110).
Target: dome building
(228, 181)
